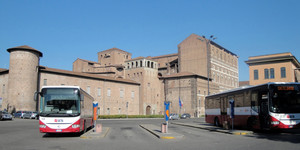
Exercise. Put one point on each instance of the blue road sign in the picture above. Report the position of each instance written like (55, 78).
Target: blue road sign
(167, 110)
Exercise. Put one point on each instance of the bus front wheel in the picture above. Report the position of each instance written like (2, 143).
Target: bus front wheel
(250, 124)
(84, 127)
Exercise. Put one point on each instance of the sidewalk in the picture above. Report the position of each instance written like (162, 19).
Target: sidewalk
(214, 128)
(156, 130)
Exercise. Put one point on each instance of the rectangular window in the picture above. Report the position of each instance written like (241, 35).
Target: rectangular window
(255, 74)
(132, 94)
(3, 89)
(99, 92)
(266, 73)
(283, 72)
(272, 74)
(108, 92)
(199, 101)
(121, 93)
(45, 82)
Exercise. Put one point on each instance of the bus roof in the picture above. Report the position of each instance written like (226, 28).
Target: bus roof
(250, 87)
(61, 86)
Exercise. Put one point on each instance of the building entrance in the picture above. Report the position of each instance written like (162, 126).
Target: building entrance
(148, 110)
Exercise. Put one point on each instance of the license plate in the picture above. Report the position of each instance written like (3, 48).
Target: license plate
(58, 130)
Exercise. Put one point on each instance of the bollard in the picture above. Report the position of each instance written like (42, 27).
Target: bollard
(226, 125)
(163, 128)
(99, 128)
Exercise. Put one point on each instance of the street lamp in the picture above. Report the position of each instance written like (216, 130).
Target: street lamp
(207, 41)
(208, 60)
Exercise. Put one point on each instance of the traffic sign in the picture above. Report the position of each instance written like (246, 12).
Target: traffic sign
(167, 110)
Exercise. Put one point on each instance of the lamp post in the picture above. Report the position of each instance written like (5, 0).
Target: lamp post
(208, 60)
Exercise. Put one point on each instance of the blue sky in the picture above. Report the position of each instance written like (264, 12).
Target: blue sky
(65, 30)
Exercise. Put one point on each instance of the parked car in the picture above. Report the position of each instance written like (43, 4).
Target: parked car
(5, 115)
(174, 117)
(185, 116)
(30, 115)
(19, 114)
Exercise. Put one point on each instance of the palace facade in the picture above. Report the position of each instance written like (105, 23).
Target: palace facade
(122, 84)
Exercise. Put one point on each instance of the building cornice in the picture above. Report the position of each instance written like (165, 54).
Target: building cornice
(3, 71)
(86, 75)
(273, 60)
(182, 75)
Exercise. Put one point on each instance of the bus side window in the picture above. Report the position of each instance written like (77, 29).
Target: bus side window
(239, 100)
(254, 102)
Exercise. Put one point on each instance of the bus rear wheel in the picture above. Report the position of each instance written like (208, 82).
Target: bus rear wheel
(216, 122)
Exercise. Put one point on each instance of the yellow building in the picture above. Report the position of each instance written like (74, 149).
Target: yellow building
(282, 67)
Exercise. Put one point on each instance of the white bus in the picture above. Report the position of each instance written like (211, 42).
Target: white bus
(65, 109)
(267, 106)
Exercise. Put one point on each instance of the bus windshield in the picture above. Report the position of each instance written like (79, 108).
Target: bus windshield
(285, 98)
(60, 102)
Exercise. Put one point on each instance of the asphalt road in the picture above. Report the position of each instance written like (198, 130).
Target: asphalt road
(128, 135)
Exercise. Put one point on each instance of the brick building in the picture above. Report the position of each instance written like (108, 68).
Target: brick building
(200, 67)
(282, 67)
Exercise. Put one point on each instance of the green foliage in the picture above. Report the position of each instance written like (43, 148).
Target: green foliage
(129, 116)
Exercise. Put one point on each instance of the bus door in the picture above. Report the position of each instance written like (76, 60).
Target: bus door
(224, 106)
(264, 111)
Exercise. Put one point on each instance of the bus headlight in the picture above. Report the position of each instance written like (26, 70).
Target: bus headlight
(42, 126)
(76, 126)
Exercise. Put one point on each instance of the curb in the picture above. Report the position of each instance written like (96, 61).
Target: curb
(215, 129)
(90, 134)
(155, 131)
(152, 132)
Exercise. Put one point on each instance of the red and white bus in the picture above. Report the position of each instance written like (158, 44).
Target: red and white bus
(267, 106)
(65, 109)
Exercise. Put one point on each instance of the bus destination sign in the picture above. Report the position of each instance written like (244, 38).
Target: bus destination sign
(285, 88)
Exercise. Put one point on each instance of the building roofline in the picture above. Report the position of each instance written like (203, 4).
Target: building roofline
(162, 56)
(2, 70)
(221, 47)
(293, 59)
(87, 61)
(25, 48)
(193, 35)
(86, 75)
(253, 57)
(182, 74)
(114, 49)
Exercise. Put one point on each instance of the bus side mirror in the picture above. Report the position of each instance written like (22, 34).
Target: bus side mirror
(36, 94)
(81, 97)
